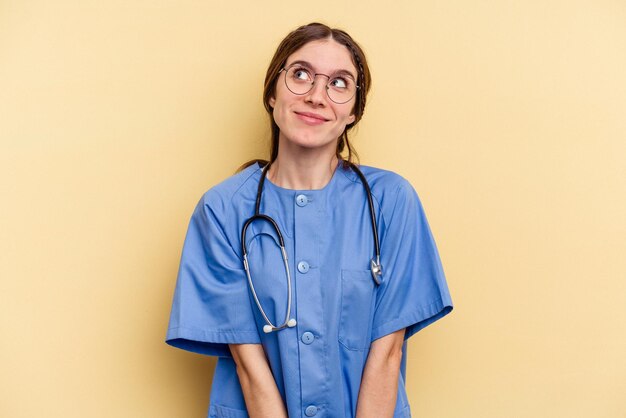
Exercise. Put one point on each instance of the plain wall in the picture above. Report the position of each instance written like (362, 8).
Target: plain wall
(507, 117)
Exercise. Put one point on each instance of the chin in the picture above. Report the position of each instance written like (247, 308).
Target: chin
(312, 144)
(312, 141)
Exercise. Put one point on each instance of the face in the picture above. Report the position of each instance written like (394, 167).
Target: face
(312, 120)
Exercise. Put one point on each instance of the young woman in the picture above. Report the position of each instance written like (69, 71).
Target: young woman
(308, 304)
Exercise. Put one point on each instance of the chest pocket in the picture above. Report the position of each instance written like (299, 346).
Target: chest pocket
(357, 295)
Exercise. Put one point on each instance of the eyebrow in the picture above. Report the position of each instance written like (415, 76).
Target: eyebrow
(334, 73)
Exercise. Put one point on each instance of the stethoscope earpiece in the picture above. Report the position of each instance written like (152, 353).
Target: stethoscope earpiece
(269, 328)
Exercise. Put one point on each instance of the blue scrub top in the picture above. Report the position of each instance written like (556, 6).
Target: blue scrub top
(339, 310)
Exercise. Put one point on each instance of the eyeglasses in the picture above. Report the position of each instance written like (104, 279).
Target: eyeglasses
(300, 79)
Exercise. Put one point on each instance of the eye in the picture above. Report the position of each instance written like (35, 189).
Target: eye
(339, 83)
(301, 74)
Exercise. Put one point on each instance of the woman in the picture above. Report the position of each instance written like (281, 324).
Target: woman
(322, 333)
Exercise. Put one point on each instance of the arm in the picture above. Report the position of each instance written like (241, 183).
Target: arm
(260, 392)
(379, 385)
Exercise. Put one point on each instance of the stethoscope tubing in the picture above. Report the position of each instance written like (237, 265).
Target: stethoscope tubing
(376, 267)
(286, 322)
(370, 203)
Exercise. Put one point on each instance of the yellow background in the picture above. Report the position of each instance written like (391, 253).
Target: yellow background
(509, 118)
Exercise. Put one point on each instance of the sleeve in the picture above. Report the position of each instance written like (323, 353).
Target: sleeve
(211, 306)
(414, 292)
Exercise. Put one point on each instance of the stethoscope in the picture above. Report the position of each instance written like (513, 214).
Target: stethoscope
(375, 266)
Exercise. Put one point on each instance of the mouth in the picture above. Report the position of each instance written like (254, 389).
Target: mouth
(311, 118)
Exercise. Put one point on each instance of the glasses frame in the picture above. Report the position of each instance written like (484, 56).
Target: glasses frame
(286, 70)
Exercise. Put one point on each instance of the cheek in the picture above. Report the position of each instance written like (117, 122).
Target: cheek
(279, 115)
(347, 116)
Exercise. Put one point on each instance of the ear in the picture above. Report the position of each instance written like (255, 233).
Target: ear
(272, 101)
(351, 119)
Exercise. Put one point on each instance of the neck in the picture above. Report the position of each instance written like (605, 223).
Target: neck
(303, 171)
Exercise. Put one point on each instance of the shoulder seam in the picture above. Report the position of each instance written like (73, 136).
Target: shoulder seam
(228, 212)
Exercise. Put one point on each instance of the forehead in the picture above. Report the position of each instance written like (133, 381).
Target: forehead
(326, 56)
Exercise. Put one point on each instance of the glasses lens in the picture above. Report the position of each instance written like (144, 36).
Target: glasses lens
(299, 80)
(340, 89)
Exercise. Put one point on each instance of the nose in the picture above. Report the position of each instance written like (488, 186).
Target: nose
(318, 95)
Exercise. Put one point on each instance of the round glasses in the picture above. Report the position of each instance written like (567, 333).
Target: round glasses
(300, 79)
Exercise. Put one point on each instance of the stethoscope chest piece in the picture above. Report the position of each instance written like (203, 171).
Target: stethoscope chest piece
(377, 270)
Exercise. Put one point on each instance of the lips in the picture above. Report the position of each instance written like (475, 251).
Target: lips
(311, 118)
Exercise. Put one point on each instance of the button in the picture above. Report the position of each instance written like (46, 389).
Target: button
(308, 338)
(302, 200)
(310, 411)
(303, 267)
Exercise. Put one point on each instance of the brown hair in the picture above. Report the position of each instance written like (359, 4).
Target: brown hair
(296, 40)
